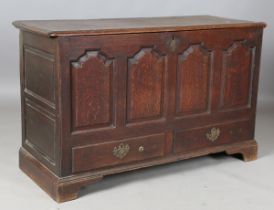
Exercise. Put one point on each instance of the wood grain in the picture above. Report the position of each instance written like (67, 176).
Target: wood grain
(54, 28)
(67, 188)
(91, 157)
(108, 96)
(194, 78)
(92, 79)
(145, 85)
(237, 75)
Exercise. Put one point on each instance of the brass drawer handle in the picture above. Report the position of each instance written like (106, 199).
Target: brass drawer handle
(213, 134)
(121, 150)
(141, 149)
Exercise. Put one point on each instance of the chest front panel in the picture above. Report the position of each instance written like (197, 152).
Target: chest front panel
(119, 87)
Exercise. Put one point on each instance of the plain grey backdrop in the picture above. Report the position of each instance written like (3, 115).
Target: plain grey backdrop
(215, 183)
(10, 10)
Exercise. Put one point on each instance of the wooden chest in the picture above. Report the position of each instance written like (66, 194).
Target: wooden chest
(106, 96)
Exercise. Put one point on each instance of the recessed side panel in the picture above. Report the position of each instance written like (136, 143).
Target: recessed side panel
(39, 75)
(40, 132)
(237, 76)
(91, 83)
(194, 71)
(145, 85)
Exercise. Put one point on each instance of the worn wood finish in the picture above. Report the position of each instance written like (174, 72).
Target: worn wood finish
(67, 188)
(117, 153)
(145, 85)
(55, 28)
(194, 75)
(237, 75)
(92, 90)
(133, 93)
(187, 140)
(60, 189)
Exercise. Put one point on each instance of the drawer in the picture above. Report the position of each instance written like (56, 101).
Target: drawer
(188, 140)
(90, 157)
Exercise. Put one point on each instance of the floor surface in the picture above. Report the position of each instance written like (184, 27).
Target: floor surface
(211, 182)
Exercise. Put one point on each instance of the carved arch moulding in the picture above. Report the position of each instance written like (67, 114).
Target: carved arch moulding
(194, 80)
(92, 91)
(146, 84)
(237, 75)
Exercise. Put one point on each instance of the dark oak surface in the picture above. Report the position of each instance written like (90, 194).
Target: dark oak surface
(108, 96)
(53, 28)
(67, 188)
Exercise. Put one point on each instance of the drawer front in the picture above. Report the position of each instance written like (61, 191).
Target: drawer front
(110, 154)
(193, 139)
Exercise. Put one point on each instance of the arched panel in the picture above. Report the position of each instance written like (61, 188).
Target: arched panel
(193, 80)
(238, 65)
(145, 85)
(92, 90)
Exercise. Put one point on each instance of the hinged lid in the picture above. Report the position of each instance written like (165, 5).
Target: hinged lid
(55, 28)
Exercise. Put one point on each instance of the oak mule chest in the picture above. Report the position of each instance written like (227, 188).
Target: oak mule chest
(111, 95)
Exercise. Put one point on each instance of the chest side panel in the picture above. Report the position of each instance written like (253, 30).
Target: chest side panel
(39, 99)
